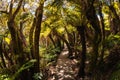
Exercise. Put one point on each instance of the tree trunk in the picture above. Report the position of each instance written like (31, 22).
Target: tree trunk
(103, 35)
(31, 39)
(81, 30)
(17, 39)
(38, 17)
(1, 54)
(115, 24)
(52, 40)
(66, 42)
(92, 17)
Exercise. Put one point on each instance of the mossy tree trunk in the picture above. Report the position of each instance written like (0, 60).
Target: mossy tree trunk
(18, 48)
(38, 21)
(34, 38)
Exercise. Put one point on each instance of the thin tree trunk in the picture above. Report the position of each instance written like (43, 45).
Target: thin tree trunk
(51, 38)
(1, 54)
(92, 17)
(115, 21)
(66, 42)
(31, 39)
(103, 34)
(70, 41)
(81, 30)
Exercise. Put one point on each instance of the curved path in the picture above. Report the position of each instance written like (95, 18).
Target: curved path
(66, 69)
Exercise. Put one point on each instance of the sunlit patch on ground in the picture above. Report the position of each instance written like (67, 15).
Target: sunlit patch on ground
(65, 69)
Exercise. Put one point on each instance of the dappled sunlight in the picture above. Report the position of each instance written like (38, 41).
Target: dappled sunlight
(64, 54)
(65, 69)
(59, 39)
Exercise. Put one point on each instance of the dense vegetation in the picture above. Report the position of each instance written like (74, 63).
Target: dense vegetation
(33, 33)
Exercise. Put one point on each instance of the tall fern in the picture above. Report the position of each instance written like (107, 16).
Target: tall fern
(23, 67)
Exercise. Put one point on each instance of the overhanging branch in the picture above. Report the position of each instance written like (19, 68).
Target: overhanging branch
(4, 12)
(18, 8)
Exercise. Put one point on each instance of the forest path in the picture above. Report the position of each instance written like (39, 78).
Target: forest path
(65, 69)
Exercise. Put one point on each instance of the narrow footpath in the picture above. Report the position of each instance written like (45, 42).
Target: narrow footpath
(65, 69)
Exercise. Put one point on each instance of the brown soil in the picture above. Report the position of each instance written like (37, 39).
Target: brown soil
(65, 69)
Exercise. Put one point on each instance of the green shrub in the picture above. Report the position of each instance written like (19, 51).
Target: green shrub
(38, 76)
(116, 74)
(4, 77)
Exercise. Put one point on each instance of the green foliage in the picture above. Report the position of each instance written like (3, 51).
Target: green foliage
(4, 77)
(112, 40)
(60, 16)
(14, 76)
(23, 67)
(49, 52)
(116, 74)
(48, 55)
(38, 76)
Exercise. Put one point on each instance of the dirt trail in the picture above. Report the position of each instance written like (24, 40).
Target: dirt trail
(66, 69)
